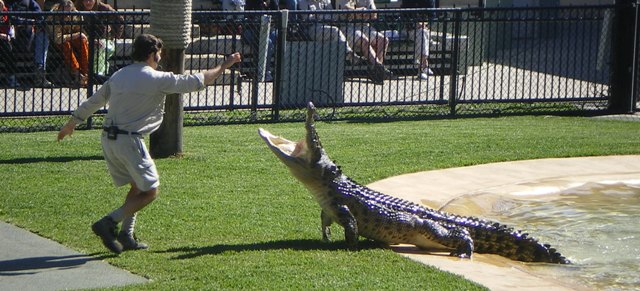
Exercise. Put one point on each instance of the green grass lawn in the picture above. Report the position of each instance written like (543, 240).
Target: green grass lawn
(230, 216)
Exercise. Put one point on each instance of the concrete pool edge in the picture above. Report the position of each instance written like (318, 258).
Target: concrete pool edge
(436, 188)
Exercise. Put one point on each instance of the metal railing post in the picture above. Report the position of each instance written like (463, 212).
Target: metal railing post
(280, 55)
(453, 82)
(91, 22)
(623, 57)
(92, 50)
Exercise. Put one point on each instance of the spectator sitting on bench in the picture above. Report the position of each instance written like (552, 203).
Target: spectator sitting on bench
(420, 34)
(68, 35)
(30, 33)
(323, 32)
(316, 30)
(363, 37)
(106, 30)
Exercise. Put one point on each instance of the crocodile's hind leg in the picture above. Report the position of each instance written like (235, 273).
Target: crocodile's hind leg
(456, 238)
(429, 234)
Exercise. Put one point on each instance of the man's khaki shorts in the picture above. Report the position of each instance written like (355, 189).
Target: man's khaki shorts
(129, 161)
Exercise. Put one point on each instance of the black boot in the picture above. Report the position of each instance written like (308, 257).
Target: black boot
(129, 242)
(105, 228)
(377, 74)
(41, 78)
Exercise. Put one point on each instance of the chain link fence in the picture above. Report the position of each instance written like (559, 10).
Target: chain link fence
(433, 63)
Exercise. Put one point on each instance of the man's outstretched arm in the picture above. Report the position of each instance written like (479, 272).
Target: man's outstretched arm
(212, 74)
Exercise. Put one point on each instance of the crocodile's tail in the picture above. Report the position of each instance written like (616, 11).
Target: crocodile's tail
(495, 238)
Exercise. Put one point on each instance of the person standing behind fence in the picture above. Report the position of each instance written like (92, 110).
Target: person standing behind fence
(30, 32)
(6, 50)
(135, 96)
(250, 35)
(68, 35)
(107, 28)
(420, 34)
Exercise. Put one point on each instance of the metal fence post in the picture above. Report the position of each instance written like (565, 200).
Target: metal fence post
(91, 21)
(92, 51)
(453, 83)
(623, 57)
(280, 55)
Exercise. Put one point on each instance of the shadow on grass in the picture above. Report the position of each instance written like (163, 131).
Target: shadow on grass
(50, 160)
(298, 245)
(31, 265)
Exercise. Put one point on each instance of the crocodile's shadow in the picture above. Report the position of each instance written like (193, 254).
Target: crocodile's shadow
(33, 160)
(298, 245)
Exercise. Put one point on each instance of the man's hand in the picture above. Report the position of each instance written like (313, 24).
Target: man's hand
(232, 59)
(67, 129)
(212, 74)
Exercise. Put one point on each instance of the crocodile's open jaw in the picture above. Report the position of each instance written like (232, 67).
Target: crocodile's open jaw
(286, 150)
(295, 154)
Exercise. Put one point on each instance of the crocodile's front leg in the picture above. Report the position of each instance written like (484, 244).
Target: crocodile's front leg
(348, 221)
(326, 222)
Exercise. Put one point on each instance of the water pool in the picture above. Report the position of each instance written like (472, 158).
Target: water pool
(595, 225)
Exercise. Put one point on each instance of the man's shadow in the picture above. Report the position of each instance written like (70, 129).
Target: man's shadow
(299, 245)
(26, 266)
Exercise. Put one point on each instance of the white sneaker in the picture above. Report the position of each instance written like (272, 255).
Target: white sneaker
(425, 73)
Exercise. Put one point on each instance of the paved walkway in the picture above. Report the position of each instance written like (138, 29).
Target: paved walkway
(29, 262)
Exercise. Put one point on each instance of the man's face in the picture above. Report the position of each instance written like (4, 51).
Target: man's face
(156, 59)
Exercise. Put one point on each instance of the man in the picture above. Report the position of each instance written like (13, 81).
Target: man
(30, 33)
(135, 96)
(251, 34)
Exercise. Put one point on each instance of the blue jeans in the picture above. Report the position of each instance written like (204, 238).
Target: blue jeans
(38, 41)
(41, 48)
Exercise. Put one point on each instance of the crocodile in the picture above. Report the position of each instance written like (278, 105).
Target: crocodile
(362, 211)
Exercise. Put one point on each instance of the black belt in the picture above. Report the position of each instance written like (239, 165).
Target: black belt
(120, 131)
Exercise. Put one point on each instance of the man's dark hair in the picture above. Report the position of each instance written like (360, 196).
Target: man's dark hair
(144, 45)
